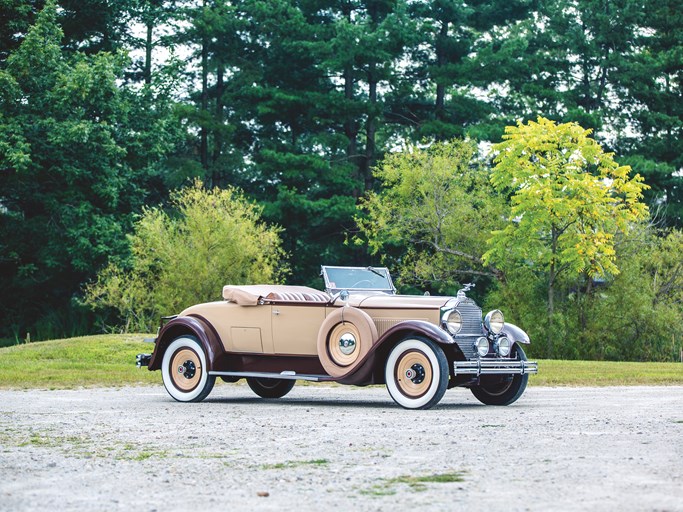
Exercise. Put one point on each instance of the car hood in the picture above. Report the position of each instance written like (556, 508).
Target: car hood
(382, 300)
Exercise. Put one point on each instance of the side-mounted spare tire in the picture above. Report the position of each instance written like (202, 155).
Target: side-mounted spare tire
(344, 339)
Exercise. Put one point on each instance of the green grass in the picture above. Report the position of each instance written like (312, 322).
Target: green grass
(109, 360)
(296, 463)
(106, 360)
(606, 373)
(387, 487)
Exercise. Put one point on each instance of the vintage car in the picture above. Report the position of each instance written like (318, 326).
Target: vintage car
(359, 331)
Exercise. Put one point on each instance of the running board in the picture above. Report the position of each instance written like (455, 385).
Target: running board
(287, 375)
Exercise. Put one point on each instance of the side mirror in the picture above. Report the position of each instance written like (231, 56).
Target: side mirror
(344, 295)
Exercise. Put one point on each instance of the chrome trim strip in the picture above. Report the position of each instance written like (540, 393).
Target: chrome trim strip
(287, 374)
(494, 367)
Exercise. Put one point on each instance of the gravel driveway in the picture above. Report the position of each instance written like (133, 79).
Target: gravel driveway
(341, 448)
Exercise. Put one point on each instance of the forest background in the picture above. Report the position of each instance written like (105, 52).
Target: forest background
(107, 108)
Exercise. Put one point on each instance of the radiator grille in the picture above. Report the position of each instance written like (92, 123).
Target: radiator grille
(466, 345)
(471, 318)
(471, 327)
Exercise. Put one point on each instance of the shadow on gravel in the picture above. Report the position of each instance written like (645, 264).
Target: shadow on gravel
(356, 404)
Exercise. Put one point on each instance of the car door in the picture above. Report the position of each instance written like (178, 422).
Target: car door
(295, 328)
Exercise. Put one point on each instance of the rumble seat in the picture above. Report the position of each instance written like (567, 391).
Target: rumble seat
(252, 295)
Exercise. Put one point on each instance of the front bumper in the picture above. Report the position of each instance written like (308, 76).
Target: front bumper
(494, 367)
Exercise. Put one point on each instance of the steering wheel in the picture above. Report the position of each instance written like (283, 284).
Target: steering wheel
(357, 284)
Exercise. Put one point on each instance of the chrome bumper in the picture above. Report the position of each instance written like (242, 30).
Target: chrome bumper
(494, 367)
(143, 360)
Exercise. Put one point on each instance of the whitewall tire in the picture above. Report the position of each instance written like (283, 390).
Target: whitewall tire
(184, 371)
(416, 373)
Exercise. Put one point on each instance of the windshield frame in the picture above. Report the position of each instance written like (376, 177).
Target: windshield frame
(333, 287)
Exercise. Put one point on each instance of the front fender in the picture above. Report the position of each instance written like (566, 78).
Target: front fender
(365, 370)
(195, 326)
(516, 334)
(428, 329)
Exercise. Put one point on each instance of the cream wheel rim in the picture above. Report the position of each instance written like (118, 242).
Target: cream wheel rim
(413, 374)
(185, 370)
(344, 344)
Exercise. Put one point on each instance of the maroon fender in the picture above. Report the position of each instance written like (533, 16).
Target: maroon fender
(365, 370)
(195, 326)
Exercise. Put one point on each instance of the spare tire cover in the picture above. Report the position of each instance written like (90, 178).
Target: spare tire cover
(344, 339)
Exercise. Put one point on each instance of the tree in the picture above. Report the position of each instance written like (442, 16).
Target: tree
(78, 154)
(653, 76)
(211, 238)
(434, 213)
(459, 55)
(569, 200)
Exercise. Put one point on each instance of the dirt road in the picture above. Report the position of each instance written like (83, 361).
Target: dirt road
(341, 448)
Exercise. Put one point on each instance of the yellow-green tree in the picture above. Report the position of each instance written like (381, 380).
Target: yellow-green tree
(435, 211)
(569, 200)
(211, 238)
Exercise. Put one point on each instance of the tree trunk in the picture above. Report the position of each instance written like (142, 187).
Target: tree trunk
(350, 127)
(147, 71)
(551, 292)
(439, 106)
(218, 131)
(204, 135)
(370, 129)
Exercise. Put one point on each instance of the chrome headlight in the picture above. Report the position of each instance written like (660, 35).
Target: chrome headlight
(452, 321)
(494, 321)
(482, 346)
(504, 346)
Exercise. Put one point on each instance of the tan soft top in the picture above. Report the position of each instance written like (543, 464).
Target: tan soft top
(250, 295)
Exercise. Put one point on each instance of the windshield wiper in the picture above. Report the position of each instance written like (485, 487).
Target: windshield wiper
(375, 272)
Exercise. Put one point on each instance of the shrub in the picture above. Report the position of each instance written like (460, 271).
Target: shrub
(209, 238)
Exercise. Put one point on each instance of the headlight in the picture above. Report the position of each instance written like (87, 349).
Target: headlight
(482, 346)
(504, 346)
(494, 321)
(452, 321)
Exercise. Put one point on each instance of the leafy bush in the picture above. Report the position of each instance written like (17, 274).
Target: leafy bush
(211, 238)
(633, 316)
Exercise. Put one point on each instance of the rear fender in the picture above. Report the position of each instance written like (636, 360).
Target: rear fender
(194, 326)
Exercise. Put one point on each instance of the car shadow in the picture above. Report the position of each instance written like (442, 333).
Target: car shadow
(326, 403)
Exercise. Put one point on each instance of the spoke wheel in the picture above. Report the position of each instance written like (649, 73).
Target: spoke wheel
(183, 371)
(497, 390)
(270, 388)
(416, 373)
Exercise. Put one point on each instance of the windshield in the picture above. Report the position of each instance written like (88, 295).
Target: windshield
(357, 278)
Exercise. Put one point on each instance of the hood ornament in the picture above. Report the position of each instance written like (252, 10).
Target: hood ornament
(462, 291)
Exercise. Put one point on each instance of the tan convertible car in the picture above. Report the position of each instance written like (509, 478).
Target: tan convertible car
(359, 331)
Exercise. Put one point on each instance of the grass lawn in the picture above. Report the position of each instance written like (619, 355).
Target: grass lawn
(109, 360)
(104, 360)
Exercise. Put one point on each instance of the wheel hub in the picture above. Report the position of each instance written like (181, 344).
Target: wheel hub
(347, 343)
(187, 369)
(416, 373)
